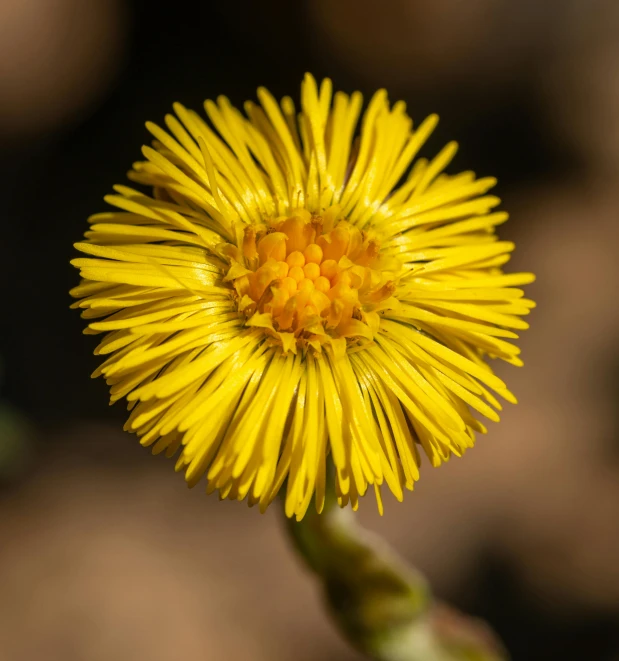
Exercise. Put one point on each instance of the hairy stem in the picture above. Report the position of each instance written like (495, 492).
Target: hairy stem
(382, 606)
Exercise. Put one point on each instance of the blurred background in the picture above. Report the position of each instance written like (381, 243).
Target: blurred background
(104, 554)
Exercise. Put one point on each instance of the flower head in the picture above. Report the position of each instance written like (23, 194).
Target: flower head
(288, 291)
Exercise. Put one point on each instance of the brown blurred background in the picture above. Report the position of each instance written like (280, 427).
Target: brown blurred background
(104, 554)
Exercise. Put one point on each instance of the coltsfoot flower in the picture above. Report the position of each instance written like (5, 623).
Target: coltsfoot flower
(285, 291)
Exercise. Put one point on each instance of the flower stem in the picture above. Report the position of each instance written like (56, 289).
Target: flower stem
(382, 606)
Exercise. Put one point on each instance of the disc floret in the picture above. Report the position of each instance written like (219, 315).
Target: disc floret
(311, 280)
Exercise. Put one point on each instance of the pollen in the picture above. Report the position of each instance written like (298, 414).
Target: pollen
(316, 278)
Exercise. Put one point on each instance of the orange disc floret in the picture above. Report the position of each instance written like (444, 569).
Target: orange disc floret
(311, 282)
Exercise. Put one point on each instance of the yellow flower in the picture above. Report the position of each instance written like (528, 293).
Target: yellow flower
(290, 291)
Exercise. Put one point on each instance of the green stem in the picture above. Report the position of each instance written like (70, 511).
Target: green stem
(382, 606)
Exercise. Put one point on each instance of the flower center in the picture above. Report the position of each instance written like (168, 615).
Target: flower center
(310, 280)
